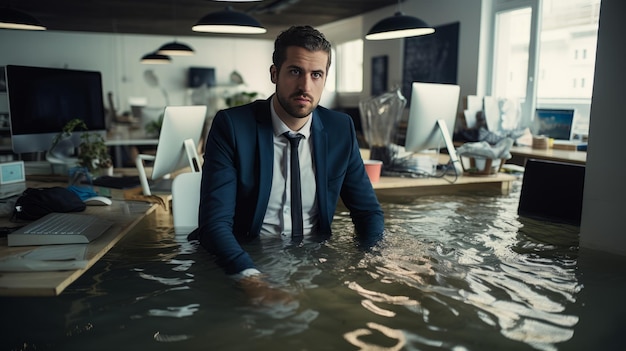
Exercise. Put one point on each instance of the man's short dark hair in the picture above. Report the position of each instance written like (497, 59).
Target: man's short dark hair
(305, 37)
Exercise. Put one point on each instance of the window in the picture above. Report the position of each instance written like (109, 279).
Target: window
(552, 40)
(350, 67)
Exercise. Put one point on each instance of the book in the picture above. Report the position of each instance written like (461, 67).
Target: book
(567, 145)
(118, 194)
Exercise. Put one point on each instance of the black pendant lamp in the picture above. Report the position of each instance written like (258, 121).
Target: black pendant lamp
(398, 26)
(229, 21)
(175, 48)
(155, 59)
(14, 19)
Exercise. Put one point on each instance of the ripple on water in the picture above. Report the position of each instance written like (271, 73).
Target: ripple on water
(453, 272)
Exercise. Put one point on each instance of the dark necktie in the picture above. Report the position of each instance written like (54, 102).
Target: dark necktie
(296, 194)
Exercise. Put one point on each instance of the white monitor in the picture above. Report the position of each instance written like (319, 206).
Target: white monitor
(432, 115)
(178, 142)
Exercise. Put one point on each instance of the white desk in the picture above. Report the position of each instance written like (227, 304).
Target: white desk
(124, 142)
(118, 146)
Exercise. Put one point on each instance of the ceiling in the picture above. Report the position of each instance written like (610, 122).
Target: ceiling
(176, 17)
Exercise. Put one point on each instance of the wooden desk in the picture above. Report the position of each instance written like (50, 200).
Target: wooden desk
(526, 152)
(125, 215)
(398, 186)
(419, 186)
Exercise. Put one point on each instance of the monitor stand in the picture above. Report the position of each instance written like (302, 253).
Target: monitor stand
(192, 157)
(454, 158)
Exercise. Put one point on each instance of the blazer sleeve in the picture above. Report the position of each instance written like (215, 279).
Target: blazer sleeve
(218, 198)
(346, 176)
(357, 194)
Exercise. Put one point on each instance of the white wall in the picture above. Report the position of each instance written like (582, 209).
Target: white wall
(435, 13)
(602, 225)
(117, 57)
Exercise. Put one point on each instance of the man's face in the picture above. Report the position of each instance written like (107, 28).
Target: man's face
(299, 82)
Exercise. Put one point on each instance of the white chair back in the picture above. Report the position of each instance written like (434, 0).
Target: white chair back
(185, 202)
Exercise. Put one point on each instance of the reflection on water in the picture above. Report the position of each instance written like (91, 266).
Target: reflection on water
(460, 272)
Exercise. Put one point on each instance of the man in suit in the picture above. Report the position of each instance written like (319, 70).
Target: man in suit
(246, 191)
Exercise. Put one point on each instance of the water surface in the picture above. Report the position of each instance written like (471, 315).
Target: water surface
(455, 272)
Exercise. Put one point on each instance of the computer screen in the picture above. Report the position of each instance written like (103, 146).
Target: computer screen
(42, 100)
(554, 123)
(178, 142)
(201, 76)
(430, 103)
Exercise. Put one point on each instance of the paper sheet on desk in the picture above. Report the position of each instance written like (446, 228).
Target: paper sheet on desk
(46, 258)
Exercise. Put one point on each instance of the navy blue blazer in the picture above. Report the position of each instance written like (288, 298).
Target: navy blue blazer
(237, 177)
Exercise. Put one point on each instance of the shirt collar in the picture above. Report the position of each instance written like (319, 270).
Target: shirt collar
(280, 127)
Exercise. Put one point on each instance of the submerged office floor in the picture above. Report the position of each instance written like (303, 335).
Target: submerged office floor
(455, 272)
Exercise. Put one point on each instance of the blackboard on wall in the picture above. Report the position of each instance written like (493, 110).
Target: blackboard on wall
(431, 58)
(379, 75)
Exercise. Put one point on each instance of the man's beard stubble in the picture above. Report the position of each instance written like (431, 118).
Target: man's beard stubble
(296, 112)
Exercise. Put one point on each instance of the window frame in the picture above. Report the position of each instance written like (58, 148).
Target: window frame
(500, 6)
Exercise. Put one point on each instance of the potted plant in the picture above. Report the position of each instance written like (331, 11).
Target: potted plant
(154, 127)
(241, 98)
(93, 153)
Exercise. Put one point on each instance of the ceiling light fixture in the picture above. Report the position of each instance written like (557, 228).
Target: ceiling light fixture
(175, 48)
(229, 21)
(398, 26)
(14, 19)
(155, 59)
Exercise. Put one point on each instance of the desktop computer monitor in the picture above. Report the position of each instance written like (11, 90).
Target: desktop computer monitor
(42, 100)
(178, 142)
(432, 115)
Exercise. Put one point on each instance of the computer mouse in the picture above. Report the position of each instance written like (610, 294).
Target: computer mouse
(98, 201)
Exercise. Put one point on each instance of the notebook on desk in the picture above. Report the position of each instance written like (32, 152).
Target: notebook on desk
(59, 228)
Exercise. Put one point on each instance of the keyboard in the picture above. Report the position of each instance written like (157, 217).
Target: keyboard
(59, 228)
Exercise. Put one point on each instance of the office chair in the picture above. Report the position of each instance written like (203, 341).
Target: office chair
(552, 191)
(185, 202)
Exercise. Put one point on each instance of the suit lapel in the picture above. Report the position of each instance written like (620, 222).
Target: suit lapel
(265, 147)
(320, 152)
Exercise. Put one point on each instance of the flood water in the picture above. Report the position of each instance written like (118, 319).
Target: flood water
(455, 272)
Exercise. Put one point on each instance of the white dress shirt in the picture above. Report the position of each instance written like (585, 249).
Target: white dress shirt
(277, 220)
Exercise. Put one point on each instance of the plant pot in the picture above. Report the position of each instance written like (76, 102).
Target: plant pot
(103, 172)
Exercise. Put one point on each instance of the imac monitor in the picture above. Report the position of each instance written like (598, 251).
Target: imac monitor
(430, 102)
(554, 123)
(42, 100)
(178, 142)
(432, 115)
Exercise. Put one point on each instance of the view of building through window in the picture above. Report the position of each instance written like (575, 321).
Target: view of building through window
(566, 48)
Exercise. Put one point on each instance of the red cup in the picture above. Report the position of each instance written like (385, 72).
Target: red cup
(373, 169)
